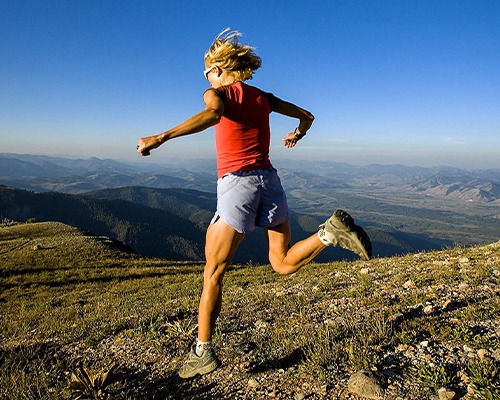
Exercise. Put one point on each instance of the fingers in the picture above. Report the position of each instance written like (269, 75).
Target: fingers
(290, 141)
(141, 150)
(146, 144)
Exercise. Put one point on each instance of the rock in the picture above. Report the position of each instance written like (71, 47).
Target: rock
(447, 305)
(252, 383)
(496, 354)
(365, 384)
(429, 309)
(409, 284)
(401, 348)
(463, 376)
(260, 324)
(482, 353)
(445, 394)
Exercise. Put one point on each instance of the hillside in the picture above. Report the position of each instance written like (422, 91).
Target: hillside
(405, 208)
(171, 223)
(420, 322)
(149, 231)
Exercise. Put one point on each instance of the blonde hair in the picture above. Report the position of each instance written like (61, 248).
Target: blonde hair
(230, 55)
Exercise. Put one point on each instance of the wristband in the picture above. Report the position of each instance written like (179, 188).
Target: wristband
(297, 134)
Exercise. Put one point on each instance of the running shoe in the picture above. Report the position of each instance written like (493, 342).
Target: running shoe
(340, 230)
(199, 365)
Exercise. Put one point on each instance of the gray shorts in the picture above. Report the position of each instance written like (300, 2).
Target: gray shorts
(249, 199)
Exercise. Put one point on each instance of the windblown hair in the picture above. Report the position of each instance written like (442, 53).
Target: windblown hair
(230, 55)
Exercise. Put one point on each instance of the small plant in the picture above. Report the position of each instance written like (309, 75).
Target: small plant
(323, 352)
(461, 334)
(365, 286)
(420, 280)
(435, 377)
(484, 375)
(180, 329)
(86, 384)
(7, 222)
(150, 325)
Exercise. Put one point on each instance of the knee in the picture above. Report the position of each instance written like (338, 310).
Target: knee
(282, 269)
(213, 276)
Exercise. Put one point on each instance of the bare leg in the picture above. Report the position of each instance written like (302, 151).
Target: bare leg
(285, 259)
(221, 244)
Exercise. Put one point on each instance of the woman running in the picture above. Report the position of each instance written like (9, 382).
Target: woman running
(249, 191)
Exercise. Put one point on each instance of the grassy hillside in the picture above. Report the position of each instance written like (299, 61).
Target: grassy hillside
(171, 223)
(423, 321)
(151, 231)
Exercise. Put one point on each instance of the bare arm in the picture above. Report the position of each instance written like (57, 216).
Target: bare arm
(210, 116)
(291, 110)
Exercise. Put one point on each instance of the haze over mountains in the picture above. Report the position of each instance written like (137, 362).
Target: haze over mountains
(44, 173)
(163, 210)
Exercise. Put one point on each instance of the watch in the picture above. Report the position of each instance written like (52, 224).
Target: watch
(297, 134)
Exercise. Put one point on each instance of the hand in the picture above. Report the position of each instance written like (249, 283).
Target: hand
(146, 144)
(290, 140)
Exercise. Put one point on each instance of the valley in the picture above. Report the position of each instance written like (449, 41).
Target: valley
(163, 210)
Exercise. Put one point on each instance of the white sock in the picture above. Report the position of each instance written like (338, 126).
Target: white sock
(202, 346)
(322, 236)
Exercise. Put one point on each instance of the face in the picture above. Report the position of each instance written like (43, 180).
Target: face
(207, 71)
(213, 75)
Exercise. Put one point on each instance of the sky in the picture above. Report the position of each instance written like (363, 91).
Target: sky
(414, 82)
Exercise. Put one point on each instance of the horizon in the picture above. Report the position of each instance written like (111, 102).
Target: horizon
(389, 82)
(276, 161)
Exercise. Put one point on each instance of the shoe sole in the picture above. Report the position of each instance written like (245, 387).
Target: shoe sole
(351, 236)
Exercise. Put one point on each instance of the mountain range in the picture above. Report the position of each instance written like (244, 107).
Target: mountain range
(45, 173)
(163, 210)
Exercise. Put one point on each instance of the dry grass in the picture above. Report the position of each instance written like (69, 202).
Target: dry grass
(70, 300)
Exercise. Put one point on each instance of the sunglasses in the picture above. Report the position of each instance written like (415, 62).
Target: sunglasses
(207, 71)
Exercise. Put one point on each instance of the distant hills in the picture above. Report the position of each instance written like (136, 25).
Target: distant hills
(45, 173)
(163, 210)
(171, 223)
(149, 231)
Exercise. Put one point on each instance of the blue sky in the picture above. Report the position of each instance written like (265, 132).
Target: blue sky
(415, 82)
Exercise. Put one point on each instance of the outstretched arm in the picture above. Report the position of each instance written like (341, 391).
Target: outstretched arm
(305, 120)
(210, 116)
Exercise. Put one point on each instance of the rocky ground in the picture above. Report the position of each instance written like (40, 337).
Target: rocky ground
(422, 367)
(419, 326)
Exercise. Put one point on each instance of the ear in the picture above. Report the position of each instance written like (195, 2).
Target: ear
(218, 70)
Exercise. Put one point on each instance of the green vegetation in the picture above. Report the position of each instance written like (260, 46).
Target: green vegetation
(82, 319)
(171, 223)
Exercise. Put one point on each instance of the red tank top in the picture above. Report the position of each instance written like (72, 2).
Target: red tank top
(242, 136)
